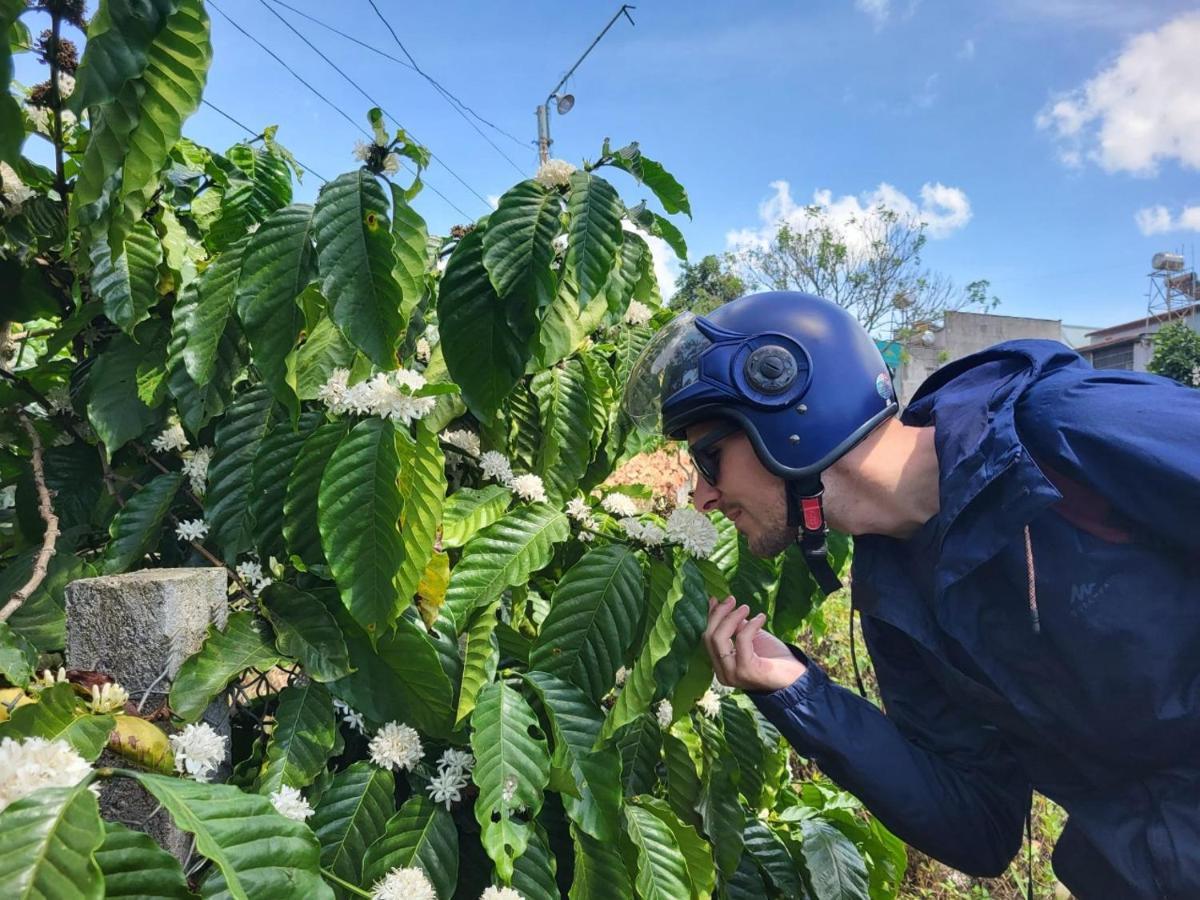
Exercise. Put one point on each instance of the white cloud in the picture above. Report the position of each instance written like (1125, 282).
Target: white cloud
(666, 263)
(967, 50)
(878, 10)
(943, 209)
(493, 201)
(1138, 112)
(1159, 220)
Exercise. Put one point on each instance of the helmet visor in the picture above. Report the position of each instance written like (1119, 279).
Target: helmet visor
(670, 362)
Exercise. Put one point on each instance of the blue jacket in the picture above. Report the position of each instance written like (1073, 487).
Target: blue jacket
(1085, 684)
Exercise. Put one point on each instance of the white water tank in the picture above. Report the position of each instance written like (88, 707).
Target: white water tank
(1167, 262)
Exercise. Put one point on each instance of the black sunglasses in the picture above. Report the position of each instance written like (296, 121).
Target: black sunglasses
(704, 455)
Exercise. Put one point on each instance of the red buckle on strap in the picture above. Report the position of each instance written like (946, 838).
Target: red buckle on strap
(814, 519)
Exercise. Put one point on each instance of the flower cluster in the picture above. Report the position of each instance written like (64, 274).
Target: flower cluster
(13, 191)
(376, 156)
(109, 698)
(195, 467)
(665, 713)
(33, 763)
(645, 533)
(691, 530)
(710, 704)
(251, 572)
(554, 173)
(492, 892)
(407, 883)
(192, 530)
(289, 802)
(172, 438)
(447, 786)
(199, 750)
(423, 350)
(529, 488)
(388, 395)
(638, 313)
(396, 746)
(463, 439)
(349, 716)
(619, 505)
(49, 679)
(496, 466)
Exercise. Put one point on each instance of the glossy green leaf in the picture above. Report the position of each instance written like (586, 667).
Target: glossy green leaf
(17, 656)
(600, 872)
(835, 867)
(119, 37)
(517, 245)
(12, 127)
(480, 658)
(208, 319)
(245, 643)
(300, 529)
(745, 744)
(255, 851)
(307, 631)
(639, 744)
(227, 501)
(199, 403)
(302, 740)
(720, 809)
(512, 769)
(468, 510)
(128, 285)
(46, 844)
(324, 349)
(667, 189)
(269, 474)
(136, 868)
(356, 256)
(423, 486)
(352, 815)
(697, 854)
(114, 408)
(593, 618)
(421, 834)
(772, 857)
(662, 872)
(534, 870)
(594, 232)
(137, 527)
(412, 239)
(564, 413)
(60, 716)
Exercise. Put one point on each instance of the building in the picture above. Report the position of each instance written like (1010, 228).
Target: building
(1131, 344)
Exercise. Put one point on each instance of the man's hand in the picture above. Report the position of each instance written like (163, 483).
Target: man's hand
(743, 655)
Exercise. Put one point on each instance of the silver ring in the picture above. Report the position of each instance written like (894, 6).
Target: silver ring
(732, 652)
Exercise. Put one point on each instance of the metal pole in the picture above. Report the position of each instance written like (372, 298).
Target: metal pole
(543, 119)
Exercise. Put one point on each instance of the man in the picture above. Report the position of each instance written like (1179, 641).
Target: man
(1026, 565)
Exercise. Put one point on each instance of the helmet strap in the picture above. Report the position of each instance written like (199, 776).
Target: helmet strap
(806, 512)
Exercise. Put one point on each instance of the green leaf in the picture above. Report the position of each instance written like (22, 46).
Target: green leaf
(256, 851)
(17, 656)
(746, 883)
(697, 854)
(352, 815)
(670, 193)
(664, 229)
(485, 352)
(741, 733)
(305, 630)
(421, 834)
(359, 508)
(600, 872)
(594, 233)
(198, 404)
(41, 619)
(325, 349)
(136, 868)
(772, 857)
(137, 528)
(119, 37)
(564, 411)
(504, 554)
(639, 743)
(510, 752)
(270, 178)
(355, 256)
(46, 844)
(835, 867)
(12, 128)
(594, 613)
(423, 485)
(722, 813)
(412, 239)
(480, 659)
(114, 409)
(303, 738)
(269, 480)
(208, 319)
(661, 873)
(227, 500)
(518, 242)
(128, 285)
(534, 870)
(244, 644)
(279, 263)
(683, 780)
(468, 510)
(300, 531)
(60, 716)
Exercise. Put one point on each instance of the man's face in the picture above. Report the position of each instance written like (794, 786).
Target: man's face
(749, 495)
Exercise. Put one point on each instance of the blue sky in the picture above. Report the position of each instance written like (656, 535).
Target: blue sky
(1054, 145)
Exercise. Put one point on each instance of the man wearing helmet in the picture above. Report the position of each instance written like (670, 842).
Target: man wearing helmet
(1026, 566)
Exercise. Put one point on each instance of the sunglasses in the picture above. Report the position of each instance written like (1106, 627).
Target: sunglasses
(704, 454)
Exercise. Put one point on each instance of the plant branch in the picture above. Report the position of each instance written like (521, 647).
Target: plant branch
(46, 510)
(60, 177)
(329, 876)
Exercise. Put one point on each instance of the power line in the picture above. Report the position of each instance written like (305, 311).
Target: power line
(337, 108)
(246, 128)
(524, 145)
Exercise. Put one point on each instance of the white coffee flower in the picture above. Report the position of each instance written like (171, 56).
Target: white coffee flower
(191, 530)
(710, 704)
(463, 440)
(32, 763)
(66, 85)
(13, 191)
(423, 350)
(638, 313)
(495, 466)
(492, 892)
(529, 487)
(333, 391)
(456, 759)
(632, 527)
(447, 786)
(409, 883)
(619, 505)
(109, 698)
(68, 120)
(289, 802)
(391, 164)
(250, 571)
(349, 716)
(195, 467)
(578, 509)
(362, 151)
(172, 438)
(622, 674)
(199, 750)
(49, 679)
(664, 713)
(691, 530)
(396, 746)
(652, 535)
(554, 173)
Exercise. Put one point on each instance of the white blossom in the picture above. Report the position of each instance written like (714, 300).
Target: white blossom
(13, 190)
(396, 746)
(66, 85)
(710, 704)
(585, 536)
(49, 679)
(195, 467)
(496, 466)
(447, 786)
(68, 120)
(554, 173)
(619, 505)
(492, 892)
(463, 440)
(529, 487)
(198, 750)
(391, 164)
(109, 698)
(578, 509)
(386, 394)
(191, 530)
(172, 438)
(351, 717)
(362, 151)
(333, 391)
(622, 674)
(691, 530)
(33, 763)
(39, 118)
(631, 526)
(289, 802)
(456, 759)
(652, 535)
(410, 883)
(638, 313)
(664, 713)
(423, 350)
(250, 571)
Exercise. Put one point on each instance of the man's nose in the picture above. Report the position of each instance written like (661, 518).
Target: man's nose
(705, 496)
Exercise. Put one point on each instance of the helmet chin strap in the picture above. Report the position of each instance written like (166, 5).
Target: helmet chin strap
(805, 511)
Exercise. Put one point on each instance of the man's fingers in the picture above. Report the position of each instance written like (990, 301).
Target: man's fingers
(721, 640)
(743, 642)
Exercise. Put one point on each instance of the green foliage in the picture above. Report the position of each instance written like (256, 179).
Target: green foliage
(46, 844)
(703, 286)
(1177, 353)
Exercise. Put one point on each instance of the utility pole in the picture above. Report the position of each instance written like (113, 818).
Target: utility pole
(564, 102)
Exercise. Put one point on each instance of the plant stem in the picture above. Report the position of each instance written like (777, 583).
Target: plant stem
(329, 876)
(56, 99)
(46, 510)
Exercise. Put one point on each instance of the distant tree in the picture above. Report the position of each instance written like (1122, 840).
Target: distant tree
(1177, 354)
(870, 266)
(705, 285)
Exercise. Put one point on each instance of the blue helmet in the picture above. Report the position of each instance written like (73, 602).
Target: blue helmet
(797, 372)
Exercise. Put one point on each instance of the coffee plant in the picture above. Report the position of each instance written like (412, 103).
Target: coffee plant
(453, 664)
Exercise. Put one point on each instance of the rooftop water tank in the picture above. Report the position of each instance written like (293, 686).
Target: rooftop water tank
(1167, 262)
